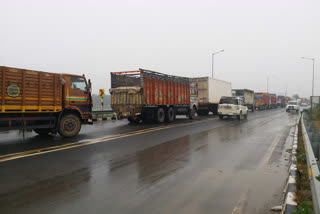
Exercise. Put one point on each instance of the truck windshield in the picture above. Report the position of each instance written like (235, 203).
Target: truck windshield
(229, 101)
(78, 84)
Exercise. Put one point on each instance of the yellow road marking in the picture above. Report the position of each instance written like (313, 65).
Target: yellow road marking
(94, 141)
(270, 151)
(240, 204)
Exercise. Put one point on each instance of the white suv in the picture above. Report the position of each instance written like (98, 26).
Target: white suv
(293, 106)
(232, 106)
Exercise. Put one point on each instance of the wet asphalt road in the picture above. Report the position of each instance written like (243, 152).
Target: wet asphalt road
(208, 166)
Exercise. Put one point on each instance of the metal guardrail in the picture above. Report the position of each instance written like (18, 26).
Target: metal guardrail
(312, 148)
(101, 114)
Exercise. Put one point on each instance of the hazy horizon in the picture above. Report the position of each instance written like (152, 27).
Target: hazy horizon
(261, 39)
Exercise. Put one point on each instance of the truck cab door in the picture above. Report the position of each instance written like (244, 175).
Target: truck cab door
(77, 95)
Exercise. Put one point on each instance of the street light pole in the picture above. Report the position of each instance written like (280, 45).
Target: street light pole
(312, 77)
(213, 59)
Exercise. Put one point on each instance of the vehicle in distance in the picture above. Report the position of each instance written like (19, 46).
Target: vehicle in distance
(232, 106)
(144, 95)
(262, 100)
(43, 102)
(281, 101)
(293, 106)
(246, 95)
(273, 101)
(210, 92)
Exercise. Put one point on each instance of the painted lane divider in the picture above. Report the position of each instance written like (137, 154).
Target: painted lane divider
(34, 152)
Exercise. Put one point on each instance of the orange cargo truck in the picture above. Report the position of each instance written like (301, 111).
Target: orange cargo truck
(144, 94)
(43, 102)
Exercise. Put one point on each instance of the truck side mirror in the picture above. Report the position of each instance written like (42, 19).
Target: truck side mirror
(90, 85)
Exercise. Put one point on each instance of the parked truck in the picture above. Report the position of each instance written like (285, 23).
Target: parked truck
(281, 101)
(143, 95)
(262, 101)
(43, 102)
(273, 101)
(247, 96)
(210, 92)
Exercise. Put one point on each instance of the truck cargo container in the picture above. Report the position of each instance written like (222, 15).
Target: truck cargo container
(144, 94)
(281, 101)
(288, 99)
(246, 95)
(273, 101)
(262, 101)
(210, 92)
(43, 102)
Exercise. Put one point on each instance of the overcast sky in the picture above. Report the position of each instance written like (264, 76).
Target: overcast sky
(96, 37)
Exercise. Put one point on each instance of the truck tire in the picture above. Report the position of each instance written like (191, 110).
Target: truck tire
(69, 125)
(160, 115)
(239, 117)
(221, 117)
(192, 114)
(205, 112)
(131, 120)
(170, 115)
(42, 131)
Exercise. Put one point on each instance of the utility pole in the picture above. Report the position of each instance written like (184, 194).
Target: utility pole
(313, 60)
(213, 59)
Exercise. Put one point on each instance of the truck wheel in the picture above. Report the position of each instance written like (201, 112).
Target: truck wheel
(246, 116)
(170, 116)
(239, 116)
(160, 116)
(221, 117)
(131, 120)
(205, 112)
(199, 112)
(42, 131)
(192, 114)
(69, 126)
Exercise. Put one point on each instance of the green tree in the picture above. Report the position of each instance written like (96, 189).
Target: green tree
(296, 96)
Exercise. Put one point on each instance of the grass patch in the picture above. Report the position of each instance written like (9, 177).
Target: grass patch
(304, 195)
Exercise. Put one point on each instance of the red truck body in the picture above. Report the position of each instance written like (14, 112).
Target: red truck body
(273, 101)
(143, 94)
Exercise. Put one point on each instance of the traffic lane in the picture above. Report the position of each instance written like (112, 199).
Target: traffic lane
(14, 141)
(17, 141)
(200, 168)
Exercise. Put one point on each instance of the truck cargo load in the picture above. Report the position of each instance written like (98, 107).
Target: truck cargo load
(247, 96)
(143, 94)
(210, 92)
(262, 101)
(43, 102)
